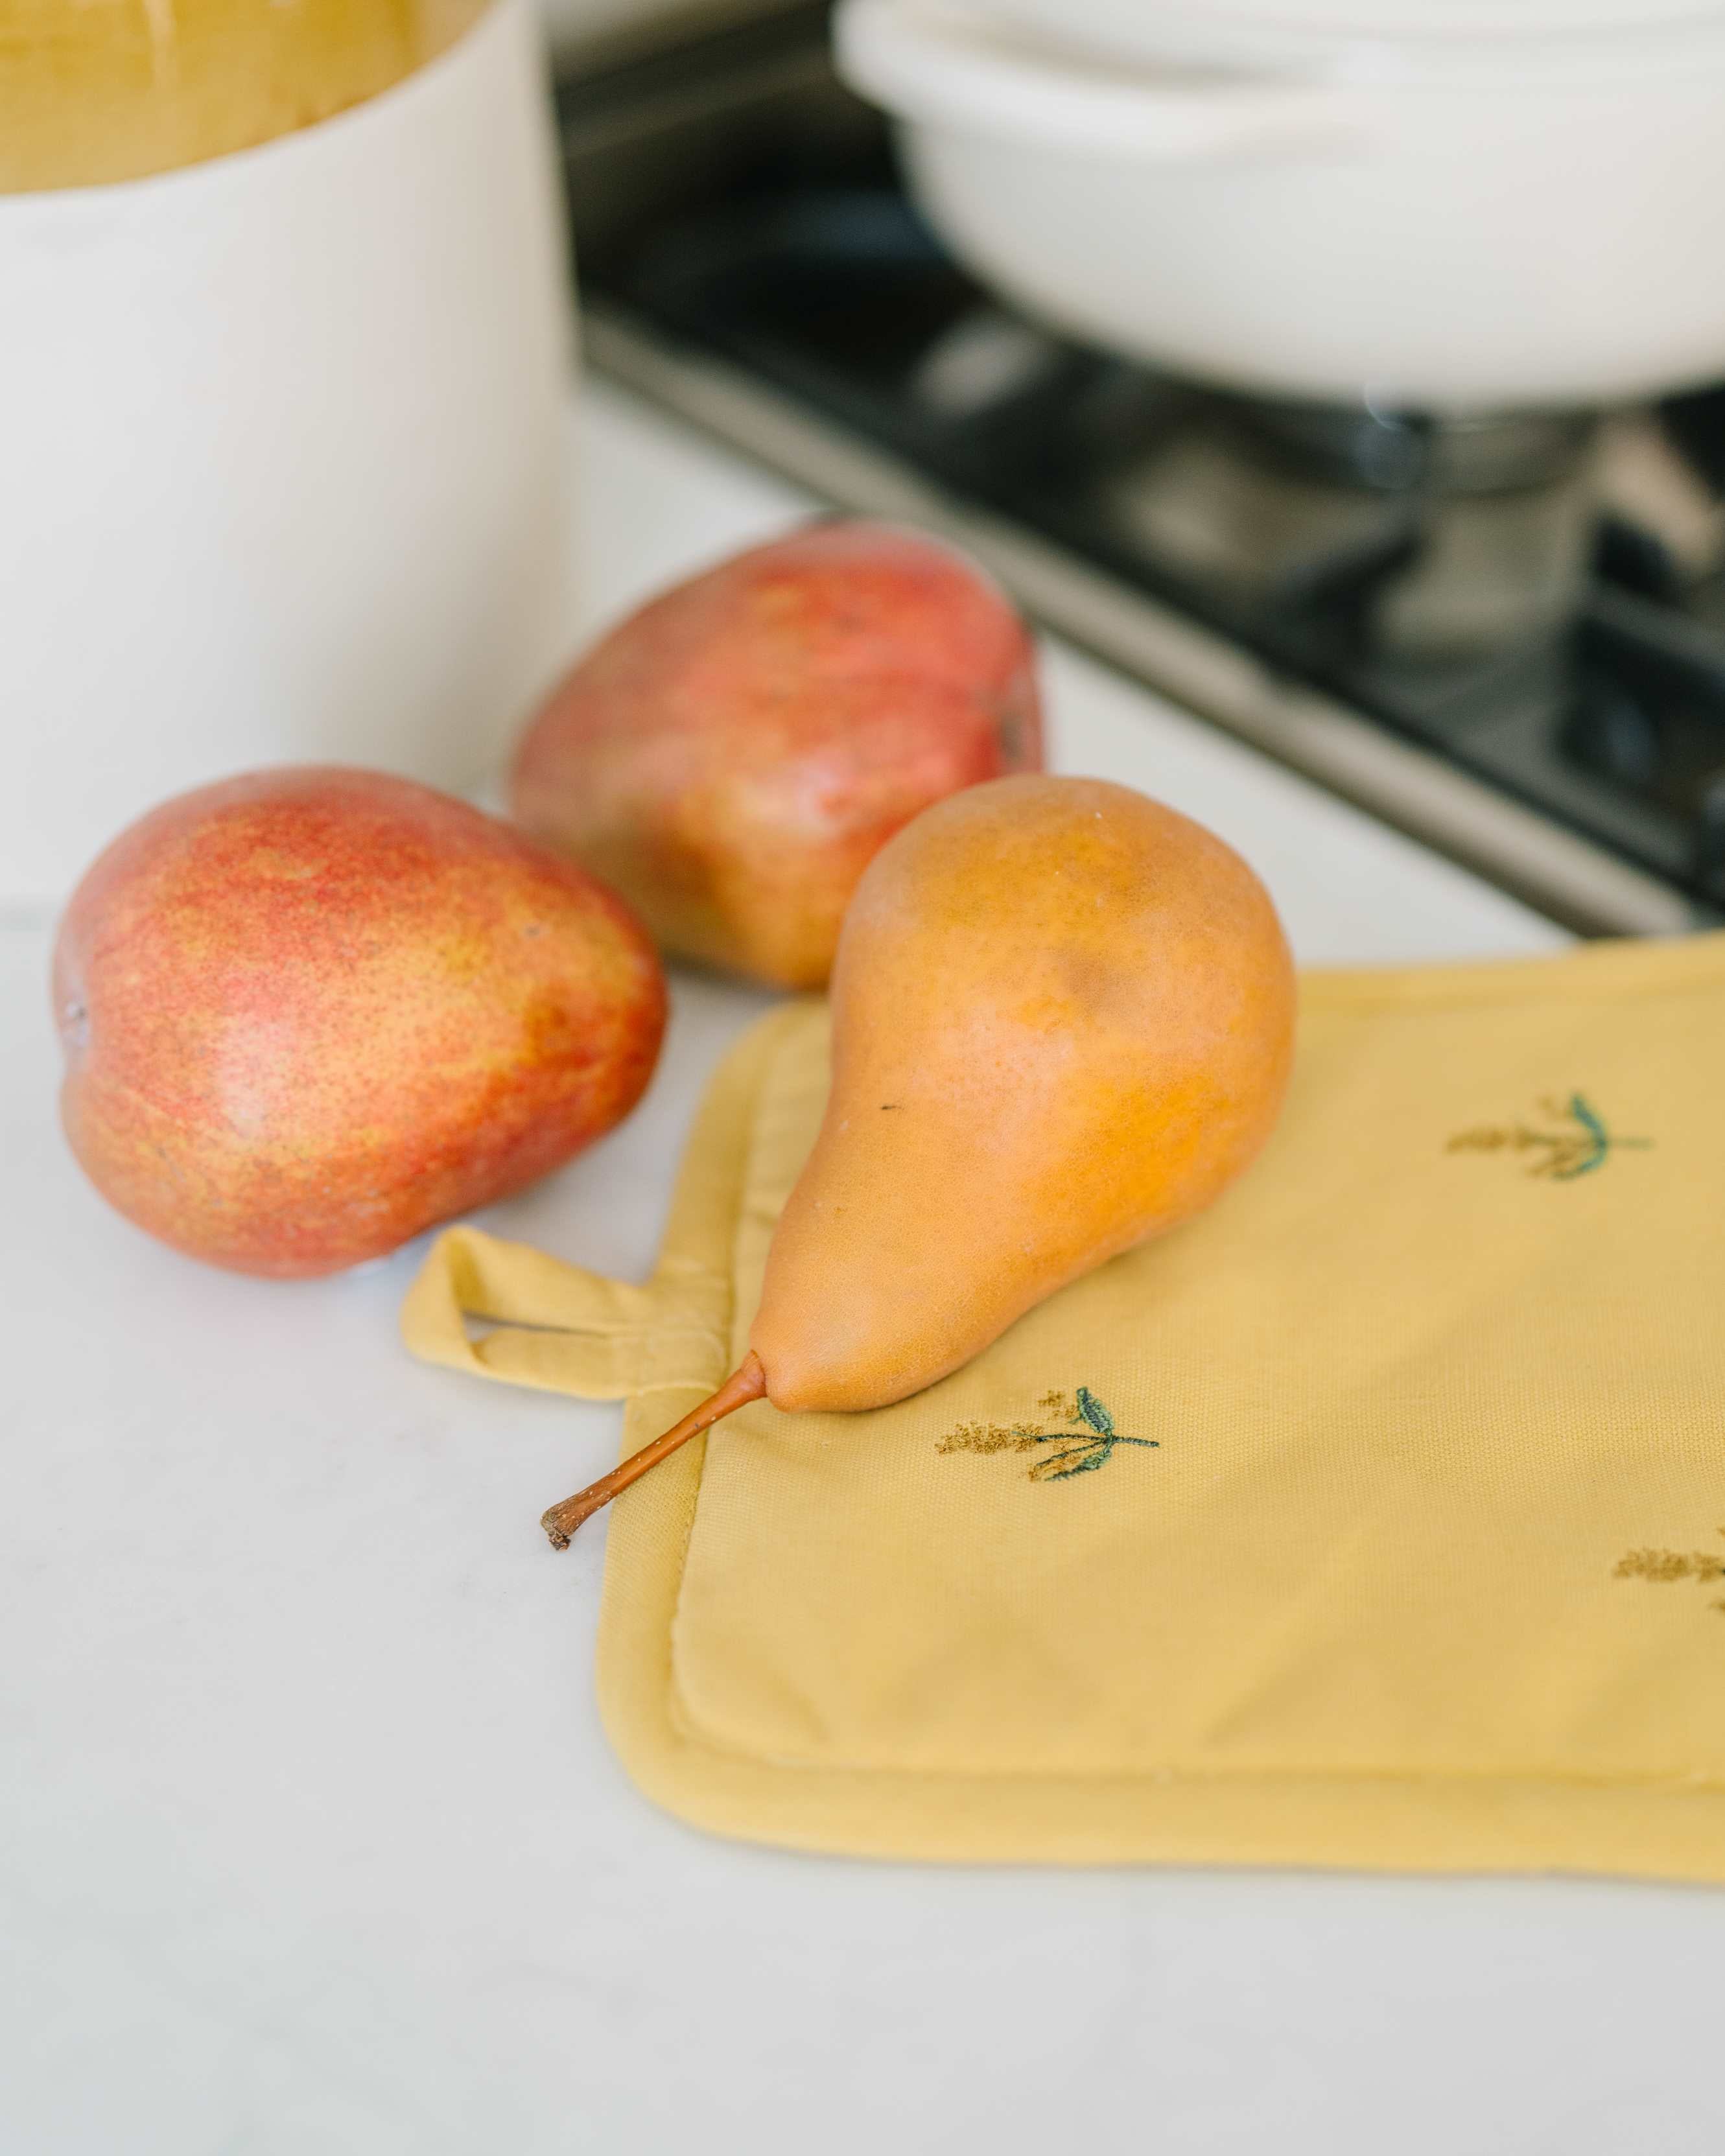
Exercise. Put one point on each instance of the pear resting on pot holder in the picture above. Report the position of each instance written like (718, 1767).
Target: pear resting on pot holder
(1416, 1563)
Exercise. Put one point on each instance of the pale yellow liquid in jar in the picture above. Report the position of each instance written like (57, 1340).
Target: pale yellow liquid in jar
(97, 91)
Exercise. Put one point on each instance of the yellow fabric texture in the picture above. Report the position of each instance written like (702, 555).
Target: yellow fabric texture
(1417, 1563)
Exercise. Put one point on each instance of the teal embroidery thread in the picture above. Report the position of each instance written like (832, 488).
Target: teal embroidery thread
(1087, 1448)
(1578, 1144)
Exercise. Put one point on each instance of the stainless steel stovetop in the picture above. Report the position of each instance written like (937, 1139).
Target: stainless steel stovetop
(1506, 637)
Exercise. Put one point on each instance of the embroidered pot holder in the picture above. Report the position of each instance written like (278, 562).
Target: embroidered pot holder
(1377, 1518)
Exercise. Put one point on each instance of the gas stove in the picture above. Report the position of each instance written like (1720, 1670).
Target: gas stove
(1505, 634)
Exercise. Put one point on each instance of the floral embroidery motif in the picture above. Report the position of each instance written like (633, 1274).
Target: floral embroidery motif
(1089, 1446)
(1666, 1567)
(1576, 1143)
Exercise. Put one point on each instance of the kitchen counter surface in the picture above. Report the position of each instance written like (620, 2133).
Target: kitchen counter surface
(312, 1846)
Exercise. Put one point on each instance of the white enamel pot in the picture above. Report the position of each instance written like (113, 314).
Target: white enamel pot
(1454, 222)
(1379, 37)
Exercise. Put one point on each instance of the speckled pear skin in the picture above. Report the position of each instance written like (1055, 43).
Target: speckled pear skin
(308, 1013)
(1062, 1023)
(732, 756)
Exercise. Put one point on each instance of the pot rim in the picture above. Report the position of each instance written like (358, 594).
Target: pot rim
(1390, 38)
(928, 63)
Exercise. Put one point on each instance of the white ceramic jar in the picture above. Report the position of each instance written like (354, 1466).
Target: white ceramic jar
(1463, 207)
(281, 455)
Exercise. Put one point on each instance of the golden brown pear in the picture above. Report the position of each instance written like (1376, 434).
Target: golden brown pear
(1062, 1023)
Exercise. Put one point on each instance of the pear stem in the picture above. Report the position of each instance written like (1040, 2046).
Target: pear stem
(746, 1383)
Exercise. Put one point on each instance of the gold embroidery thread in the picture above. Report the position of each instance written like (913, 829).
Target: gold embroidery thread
(1575, 1142)
(1086, 1448)
(1664, 1567)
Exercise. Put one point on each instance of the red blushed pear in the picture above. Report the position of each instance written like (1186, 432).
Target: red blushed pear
(733, 756)
(308, 1013)
(1062, 1023)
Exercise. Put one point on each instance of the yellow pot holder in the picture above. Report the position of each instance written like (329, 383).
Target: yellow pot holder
(1377, 1518)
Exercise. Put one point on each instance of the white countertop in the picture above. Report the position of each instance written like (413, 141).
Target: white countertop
(310, 1842)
